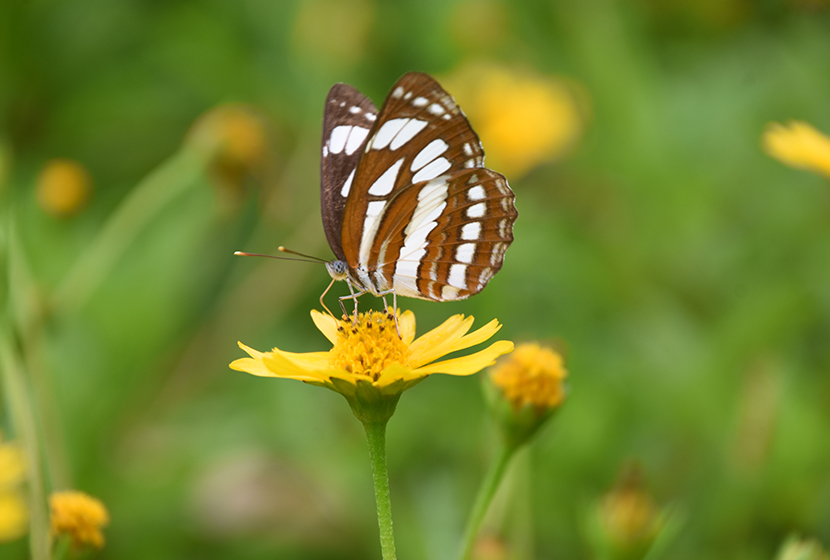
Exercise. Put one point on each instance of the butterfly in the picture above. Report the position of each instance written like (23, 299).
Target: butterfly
(408, 207)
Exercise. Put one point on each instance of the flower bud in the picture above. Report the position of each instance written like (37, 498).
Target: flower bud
(626, 521)
(79, 516)
(524, 389)
(63, 187)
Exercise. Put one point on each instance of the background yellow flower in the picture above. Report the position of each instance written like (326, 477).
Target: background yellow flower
(522, 117)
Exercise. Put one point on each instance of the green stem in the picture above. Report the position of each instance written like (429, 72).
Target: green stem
(145, 201)
(376, 435)
(26, 431)
(485, 496)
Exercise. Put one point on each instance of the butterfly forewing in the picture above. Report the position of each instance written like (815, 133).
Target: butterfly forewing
(348, 118)
(420, 134)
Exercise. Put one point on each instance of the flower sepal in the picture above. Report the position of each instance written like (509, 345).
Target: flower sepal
(369, 403)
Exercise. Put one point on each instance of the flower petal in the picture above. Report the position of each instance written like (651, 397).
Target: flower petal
(476, 337)
(326, 323)
(314, 361)
(254, 367)
(467, 365)
(406, 322)
(393, 373)
(432, 345)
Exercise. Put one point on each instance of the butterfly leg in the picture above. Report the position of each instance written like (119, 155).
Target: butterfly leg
(394, 307)
(353, 296)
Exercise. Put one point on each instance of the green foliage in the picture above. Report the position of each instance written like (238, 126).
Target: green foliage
(686, 274)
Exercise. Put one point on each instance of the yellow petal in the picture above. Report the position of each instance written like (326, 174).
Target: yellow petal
(252, 366)
(393, 373)
(313, 361)
(326, 323)
(434, 344)
(406, 322)
(467, 365)
(476, 337)
(799, 145)
(283, 367)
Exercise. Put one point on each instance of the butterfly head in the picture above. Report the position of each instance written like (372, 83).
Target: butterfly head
(337, 269)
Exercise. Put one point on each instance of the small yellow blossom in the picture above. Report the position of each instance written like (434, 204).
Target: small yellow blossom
(233, 135)
(798, 145)
(795, 548)
(524, 390)
(523, 118)
(14, 514)
(63, 187)
(369, 363)
(532, 375)
(79, 516)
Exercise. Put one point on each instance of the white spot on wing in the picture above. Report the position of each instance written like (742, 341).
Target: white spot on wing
(344, 192)
(387, 132)
(476, 193)
(409, 130)
(370, 228)
(356, 138)
(464, 252)
(325, 151)
(469, 232)
(338, 138)
(420, 101)
(432, 199)
(468, 151)
(386, 182)
(476, 210)
(355, 110)
(449, 292)
(436, 109)
(458, 272)
(398, 93)
(431, 171)
(429, 153)
(484, 277)
(371, 116)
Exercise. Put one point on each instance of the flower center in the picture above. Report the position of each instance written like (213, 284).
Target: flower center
(369, 346)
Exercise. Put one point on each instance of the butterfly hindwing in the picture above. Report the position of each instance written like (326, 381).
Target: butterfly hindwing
(348, 118)
(450, 240)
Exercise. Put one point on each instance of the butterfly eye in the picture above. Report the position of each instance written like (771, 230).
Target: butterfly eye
(337, 269)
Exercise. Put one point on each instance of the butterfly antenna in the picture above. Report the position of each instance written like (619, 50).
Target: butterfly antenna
(307, 259)
(282, 249)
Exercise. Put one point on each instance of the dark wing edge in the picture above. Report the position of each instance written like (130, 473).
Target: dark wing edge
(348, 119)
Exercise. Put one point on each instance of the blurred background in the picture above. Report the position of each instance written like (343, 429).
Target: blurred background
(683, 272)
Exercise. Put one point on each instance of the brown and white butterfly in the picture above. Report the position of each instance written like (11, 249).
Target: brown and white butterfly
(408, 207)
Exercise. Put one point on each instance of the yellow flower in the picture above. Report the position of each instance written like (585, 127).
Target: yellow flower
(370, 365)
(523, 118)
(524, 390)
(533, 375)
(80, 516)
(63, 187)
(798, 145)
(14, 514)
